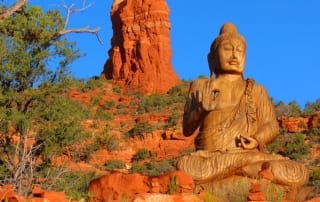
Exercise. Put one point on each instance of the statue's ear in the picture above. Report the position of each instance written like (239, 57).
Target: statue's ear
(211, 64)
(214, 65)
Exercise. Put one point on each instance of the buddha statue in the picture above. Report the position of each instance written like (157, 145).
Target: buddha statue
(234, 119)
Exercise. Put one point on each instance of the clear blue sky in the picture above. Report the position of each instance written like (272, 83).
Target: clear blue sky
(283, 40)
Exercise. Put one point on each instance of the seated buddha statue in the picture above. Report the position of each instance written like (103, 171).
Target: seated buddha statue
(234, 119)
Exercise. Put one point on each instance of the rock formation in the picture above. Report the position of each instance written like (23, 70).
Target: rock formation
(115, 186)
(140, 54)
(7, 193)
(299, 124)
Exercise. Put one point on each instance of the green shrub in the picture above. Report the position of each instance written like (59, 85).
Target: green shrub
(122, 111)
(92, 84)
(237, 193)
(4, 171)
(111, 142)
(291, 109)
(314, 135)
(173, 185)
(314, 181)
(121, 106)
(315, 162)
(153, 168)
(177, 90)
(140, 128)
(102, 115)
(116, 89)
(274, 193)
(180, 91)
(152, 103)
(111, 165)
(290, 145)
(296, 148)
(75, 185)
(276, 146)
(58, 125)
(94, 100)
(110, 104)
(311, 108)
(173, 120)
(142, 154)
(209, 197)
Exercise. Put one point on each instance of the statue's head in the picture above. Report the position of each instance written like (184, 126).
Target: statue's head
(228, 52)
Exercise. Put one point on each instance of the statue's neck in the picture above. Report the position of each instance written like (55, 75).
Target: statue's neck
(231, 77)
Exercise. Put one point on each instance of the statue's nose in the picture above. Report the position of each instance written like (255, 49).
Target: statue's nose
(234, 54)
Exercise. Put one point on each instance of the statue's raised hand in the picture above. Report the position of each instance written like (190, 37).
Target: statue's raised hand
(208, 96)
(203, 95)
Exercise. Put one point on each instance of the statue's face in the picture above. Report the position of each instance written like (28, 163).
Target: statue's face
(232, 56)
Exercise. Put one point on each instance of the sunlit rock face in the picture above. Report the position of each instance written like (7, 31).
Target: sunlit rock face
(140, 54)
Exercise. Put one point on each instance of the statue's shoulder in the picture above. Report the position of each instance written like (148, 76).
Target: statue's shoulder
(255, 87)
(199, 83)
(200, 80)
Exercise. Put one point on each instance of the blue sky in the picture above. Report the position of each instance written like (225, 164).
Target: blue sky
(283, 40)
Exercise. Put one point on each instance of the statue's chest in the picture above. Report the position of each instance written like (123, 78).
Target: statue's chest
(229, 95)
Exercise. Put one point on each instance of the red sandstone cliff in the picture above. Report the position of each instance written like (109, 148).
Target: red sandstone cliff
(140, 54)
(298, 124)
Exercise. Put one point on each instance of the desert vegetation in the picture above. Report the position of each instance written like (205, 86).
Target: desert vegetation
(46, 114)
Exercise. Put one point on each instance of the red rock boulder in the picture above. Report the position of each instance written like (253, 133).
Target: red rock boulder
(256, 193)
(117, 186)
(294, 124)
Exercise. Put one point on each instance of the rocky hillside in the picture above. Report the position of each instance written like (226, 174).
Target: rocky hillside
(131, 133)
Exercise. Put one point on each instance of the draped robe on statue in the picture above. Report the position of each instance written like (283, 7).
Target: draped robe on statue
(219, 153)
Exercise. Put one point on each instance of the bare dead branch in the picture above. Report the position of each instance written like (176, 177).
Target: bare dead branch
(71, 9)
(82, 30)
(18, 5)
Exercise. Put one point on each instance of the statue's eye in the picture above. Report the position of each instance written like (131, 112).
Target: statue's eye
(227, 47)
(240, 49)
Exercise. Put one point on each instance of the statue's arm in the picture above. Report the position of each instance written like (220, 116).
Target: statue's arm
(191, 118)
(201, 100)
(268, 127)
(193, 110)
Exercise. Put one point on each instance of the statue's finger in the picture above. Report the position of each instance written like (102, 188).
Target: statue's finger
(211, 83)
(199, 96)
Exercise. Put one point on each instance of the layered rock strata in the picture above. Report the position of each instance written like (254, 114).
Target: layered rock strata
(140, 54)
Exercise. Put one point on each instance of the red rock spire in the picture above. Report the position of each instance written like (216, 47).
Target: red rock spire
(140, 54)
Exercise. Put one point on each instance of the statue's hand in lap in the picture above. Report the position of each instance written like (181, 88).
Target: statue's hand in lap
(248, 142)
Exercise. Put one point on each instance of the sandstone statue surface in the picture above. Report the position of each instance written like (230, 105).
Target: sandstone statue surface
(234, 120)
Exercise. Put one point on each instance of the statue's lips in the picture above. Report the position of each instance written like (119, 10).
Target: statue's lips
(233, 62)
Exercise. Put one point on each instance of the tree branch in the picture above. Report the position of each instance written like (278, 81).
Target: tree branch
(18, 5)
(82, 30)
(73, 9)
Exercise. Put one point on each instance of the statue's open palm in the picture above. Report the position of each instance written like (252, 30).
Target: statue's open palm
(208, 96)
